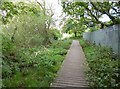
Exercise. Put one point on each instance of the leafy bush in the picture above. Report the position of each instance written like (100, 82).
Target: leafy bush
(103, 70)
(55, 34)
(7, 46)
(8, 55)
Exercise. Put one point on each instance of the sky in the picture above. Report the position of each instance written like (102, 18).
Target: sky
(57, 9)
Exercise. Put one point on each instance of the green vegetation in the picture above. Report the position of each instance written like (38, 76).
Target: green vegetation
(32, 67)
(103, 66)
(74, 26)
(32, 51)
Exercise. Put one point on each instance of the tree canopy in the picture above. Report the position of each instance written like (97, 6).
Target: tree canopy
(92, 11)
(74, 26)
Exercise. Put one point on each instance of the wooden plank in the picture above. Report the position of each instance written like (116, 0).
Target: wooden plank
(71, 73)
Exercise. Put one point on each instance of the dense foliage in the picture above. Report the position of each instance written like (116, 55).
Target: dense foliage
(25, 20)
(74, 26)
(31, 67)
(103, 66)
(32, 52)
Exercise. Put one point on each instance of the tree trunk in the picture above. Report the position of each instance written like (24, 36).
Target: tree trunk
(102, 26)
(75, 34)
(12, 38)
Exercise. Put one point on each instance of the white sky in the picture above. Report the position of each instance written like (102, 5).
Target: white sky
(104, 18)
(57, 9)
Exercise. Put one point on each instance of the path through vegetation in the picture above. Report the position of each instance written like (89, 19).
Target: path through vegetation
(71, 73)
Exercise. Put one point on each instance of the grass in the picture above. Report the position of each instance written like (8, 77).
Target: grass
(103, 66)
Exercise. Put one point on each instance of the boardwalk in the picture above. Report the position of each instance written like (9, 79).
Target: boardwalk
(71, 73)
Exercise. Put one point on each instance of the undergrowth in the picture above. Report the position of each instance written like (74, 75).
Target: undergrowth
(31, 67)
(103, 66)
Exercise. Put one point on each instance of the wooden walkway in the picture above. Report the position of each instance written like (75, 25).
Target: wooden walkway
(71, 73)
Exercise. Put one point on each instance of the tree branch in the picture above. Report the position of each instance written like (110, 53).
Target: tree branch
(102, 24)
(40, 4)
(104, 12)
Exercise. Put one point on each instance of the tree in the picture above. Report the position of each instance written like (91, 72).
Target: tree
(106, 7)
(91, 11)
(16, 10)
(74, 26)
(47, 16)
(8, 10)
(27, 23)
(21, 11)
